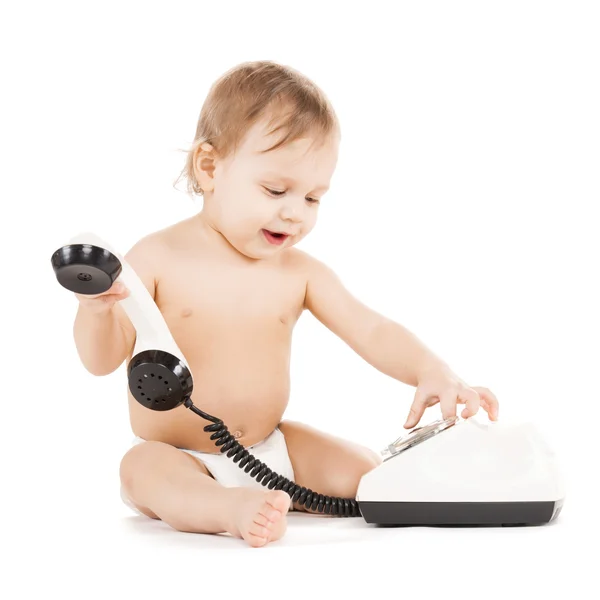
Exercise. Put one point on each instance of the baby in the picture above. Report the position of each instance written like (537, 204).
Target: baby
(231, 286)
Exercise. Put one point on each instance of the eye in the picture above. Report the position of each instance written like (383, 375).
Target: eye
(274, 192)
(277, 194)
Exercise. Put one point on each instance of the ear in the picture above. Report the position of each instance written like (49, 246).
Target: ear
(204, 166)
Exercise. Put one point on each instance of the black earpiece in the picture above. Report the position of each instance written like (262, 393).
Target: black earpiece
(85, 269)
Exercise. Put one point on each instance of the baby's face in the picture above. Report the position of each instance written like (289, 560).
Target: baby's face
(278, 191)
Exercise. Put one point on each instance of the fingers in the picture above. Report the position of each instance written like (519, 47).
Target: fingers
(489, 402)
(467, 396)
(119, 291)
(417, 409)
(105, 300)
(116, 289)
(472, 401)
(448, 404)
(472, 397)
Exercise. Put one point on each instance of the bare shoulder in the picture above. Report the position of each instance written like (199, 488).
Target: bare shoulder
(296, 261)
(146, 255)
(306, 264)
(154, 249)
(151, 255)
(306, 267)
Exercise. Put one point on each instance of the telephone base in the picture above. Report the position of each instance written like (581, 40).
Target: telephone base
(466, 514)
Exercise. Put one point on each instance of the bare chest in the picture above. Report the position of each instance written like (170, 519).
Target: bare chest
(234, 326)
(229, 306)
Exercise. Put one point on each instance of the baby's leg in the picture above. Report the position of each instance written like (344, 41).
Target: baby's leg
(325, 463)
(166, 483)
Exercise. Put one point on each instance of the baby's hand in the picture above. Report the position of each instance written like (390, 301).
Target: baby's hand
(102, 303)
(441, 385)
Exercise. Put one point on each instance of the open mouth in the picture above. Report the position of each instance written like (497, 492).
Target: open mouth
(275, 238)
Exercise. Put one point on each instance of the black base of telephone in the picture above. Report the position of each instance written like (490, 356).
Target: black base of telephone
(463, 514)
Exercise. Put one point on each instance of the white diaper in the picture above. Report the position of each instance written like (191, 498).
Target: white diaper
(272, 451)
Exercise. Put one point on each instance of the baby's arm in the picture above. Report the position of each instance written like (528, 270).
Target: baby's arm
(383, 343)
(332, 304)
(105, 339)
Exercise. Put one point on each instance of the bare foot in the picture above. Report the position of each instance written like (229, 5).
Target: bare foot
(259, 516)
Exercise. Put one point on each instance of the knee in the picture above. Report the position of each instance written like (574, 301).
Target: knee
(362, 464)
(133, 461)
(367, 462)
(346, 482)
(130, 468)
(373, 459)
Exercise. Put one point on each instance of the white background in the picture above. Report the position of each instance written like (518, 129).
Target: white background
(464, 206)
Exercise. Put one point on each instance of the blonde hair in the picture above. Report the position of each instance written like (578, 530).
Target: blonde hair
(247, 92)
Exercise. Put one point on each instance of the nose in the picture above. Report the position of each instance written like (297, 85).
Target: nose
(291, 212)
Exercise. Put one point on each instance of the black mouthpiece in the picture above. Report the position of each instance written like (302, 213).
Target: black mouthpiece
(158, 380)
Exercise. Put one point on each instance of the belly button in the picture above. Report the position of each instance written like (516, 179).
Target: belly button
(186, 312)
(237, 435)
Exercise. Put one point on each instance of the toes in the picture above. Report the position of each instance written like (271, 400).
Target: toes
(262, 519)
(267, 523)
(277, 501)
(259, 530)
(256, 541)
(258, 535)
(269, 514)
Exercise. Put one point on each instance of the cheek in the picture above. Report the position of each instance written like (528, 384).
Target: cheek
(245, 205)
(311, 219)
(308, 224)
(253, 212)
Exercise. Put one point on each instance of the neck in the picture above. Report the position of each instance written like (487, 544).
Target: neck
(205, 230)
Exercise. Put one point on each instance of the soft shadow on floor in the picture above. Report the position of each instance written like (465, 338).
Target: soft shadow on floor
(303, 529)
(321, 530)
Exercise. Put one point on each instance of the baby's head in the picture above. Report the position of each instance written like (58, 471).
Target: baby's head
(265, 149)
